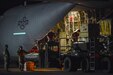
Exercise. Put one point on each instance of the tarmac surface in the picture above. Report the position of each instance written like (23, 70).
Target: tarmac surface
(48, 71)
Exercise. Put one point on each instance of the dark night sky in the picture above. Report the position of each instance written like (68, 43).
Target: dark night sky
(6, 4)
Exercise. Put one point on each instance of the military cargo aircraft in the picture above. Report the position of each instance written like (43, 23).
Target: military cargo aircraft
(22, 25)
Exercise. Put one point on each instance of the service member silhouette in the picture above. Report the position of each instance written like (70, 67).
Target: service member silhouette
(6, 58)
(21, 52)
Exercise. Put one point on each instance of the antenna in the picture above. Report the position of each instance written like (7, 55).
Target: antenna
(25, 3)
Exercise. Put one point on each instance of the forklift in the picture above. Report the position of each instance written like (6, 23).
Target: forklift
(94, 54)
(90, 56)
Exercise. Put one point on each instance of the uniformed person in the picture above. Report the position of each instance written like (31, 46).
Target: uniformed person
(75, 35)
(21, 52)
(51, 36)
(6, 58)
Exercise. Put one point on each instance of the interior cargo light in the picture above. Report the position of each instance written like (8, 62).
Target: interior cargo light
(19, 33)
